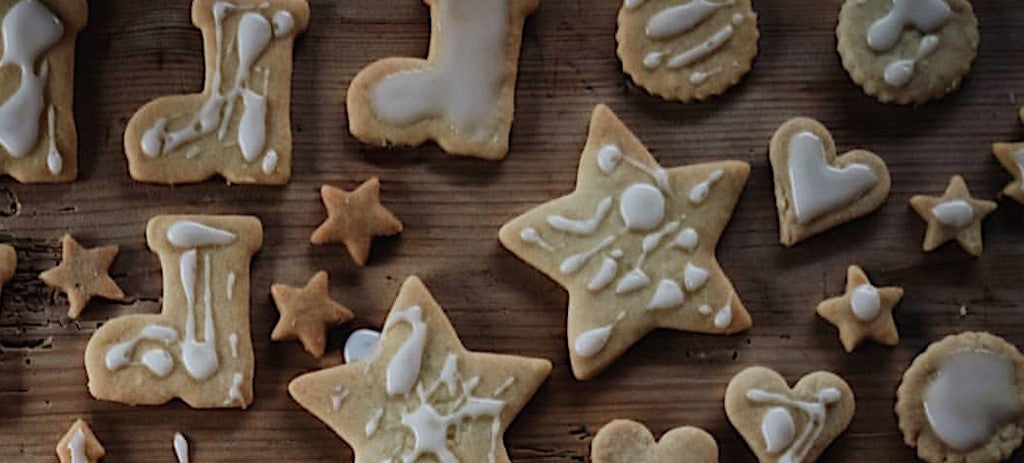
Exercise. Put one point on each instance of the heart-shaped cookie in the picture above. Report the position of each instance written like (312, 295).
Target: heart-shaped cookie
(783, 424)
(626, 441)
(814, 188)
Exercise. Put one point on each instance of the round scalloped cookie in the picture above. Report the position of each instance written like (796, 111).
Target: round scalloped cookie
(907, 51)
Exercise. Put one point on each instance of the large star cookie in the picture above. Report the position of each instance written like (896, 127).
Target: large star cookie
(955, 214)
(82, 274)
(634, 245)
(422, 394)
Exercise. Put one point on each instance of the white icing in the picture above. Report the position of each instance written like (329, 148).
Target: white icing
(233, 342)
(705, 48)
(695, 277)
(252, 127)
(679, 19)
(590, 342)
(956, 213)
(199, 357)
(700, 77)
(608, 158)
(158, 361)
(339, 396)
(633, 280)
(653, 240)
(54, 162)
(230, 283)
(582, 227)
(686, 239)
(631, 4)
(605, 275)
(120, 355)
(818, 187)
(374, 422)
(180, 446)
(705, 309)
(361, 345)
(778, 430)
(284, 23)
(815, 413)
(667, 295)
(924, 15)
(899, 72)
(235, 390)
(191, 234)
(76, 447)
(723, 317)
(270, 162)
(504, 386)
(865, 302)
(700, 191)
(575, 262)
(532, 236)
(404, 368)
(642, 207)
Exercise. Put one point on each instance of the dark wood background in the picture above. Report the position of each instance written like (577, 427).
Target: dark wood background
(133, 51)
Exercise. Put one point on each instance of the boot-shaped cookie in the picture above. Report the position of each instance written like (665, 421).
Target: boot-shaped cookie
(198, 348)
(239, 127)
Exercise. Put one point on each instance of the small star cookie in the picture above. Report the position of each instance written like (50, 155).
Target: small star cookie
(626, 441)
(354, 218)
(863, 312)
(79, 445)
(1011, 156)
(8, 263)
(955, 214)
(307, 312)
(422, 396)
(82, 274)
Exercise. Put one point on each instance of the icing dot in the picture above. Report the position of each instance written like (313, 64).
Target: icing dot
(609, 158)
(642, 207)
(865, 302)
(361, 345)
(778, 430)
(957, 213)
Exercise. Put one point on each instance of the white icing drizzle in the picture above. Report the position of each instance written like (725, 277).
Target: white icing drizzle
(679, 19)
(339, 396)
(631, 4)
(704, 309)
(605, 275)
(667, 295)
(633, 280)
(284, 23)
(700, 191)
(235, 390)
(924, 15)
(119, 355)
(723, 317)
(252, 127)
(608, 158)
(700, 51)
(865, 302)
(54, 162)
(590, 342)
(230, 283)
(504, 386)
(180, 446)
(575, 262)
(695, 277)
(362, 344)
(532, 236)
(817, 186)
(700, 77)
(642, 207)
(403, 370)
(778, 430)
(653, 240)
(815, 412)
(582, 227)
(956, 213)
(191, 234)
(686, 239)
(233, 342)
(76, 447)
(374, 422)
(158, 361)
(899, 72)
(270, 161)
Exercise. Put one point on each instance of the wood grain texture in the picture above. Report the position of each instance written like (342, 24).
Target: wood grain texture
(133, 51)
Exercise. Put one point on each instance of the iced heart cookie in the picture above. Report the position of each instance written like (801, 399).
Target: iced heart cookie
(1011, 156)
(961, 400)
(461, 96)
(686, 49)
(954, 215)
(626, 441)
(907, 51)
(864, 312)
(788, 425)
(79, 445)
(634, 245)
(239, 127)
(815, 189)
(37, 75)
(422, 396)
(198, 348)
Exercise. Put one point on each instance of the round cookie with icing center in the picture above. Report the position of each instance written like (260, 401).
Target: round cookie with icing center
(963, 400)
(686, 49)
(907, 51)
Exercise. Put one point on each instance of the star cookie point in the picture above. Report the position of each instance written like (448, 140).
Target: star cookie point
(863, 312)
(82, 274)
(354, 218)
(307, 313)
(953, 215)
(79, 445)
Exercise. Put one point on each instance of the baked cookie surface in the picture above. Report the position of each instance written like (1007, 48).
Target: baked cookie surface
(626, 441)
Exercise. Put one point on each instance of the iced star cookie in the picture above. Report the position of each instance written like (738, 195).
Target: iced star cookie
(38, 141)
(686, 49)
(461, 96)
(864, 312)
(626, 441)
(82, 274)
(79, 445)
(954, 215)
(963, 400)
(907, 51)
(239, 127)
(634, 245)
(815, 189)
(198, 348)
(422, 396)
(788, 425)
(1011, 156)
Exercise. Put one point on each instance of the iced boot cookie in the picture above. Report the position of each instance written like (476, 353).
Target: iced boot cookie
(963, 400)
(421, 396)
(864, 312)
(634, 245)
(239, 127)
(626, 441)
(686, 49)
(1011, 156)
(954, 215)
(198, 348)
(907, 51)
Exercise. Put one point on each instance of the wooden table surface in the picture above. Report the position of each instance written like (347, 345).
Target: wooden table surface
(133, 51)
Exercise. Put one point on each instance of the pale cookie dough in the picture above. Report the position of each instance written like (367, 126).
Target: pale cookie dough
(79, 445)
(239, 127)
(863, 312)
(687, 49)
(199, 347)
(38, 141)
(421, 396)
(8, 263)
(954, 215)
(461, 96)
(634, 245)
(907, 51)
(626, 441)
(1011, 156)
(962, 400)
(815, 189)
(788, 425)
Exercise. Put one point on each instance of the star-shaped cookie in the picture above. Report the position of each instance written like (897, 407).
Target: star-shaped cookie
(82, 274)
(634, 245)
(1011, 156)
(955, 214)
(422, 396)
(8, 263)
(864, 312)
(354, 218)
(307, 313)
(79, 445)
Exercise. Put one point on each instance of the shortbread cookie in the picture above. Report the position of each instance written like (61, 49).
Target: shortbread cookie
(354, 218)
(79, 445)
(626, 441)
(307, 313)
(8, 263)
(686, 49)
(787, 425)
(82, 274)
(815, 189)
(239, 127)
(907, 51)
(955, 214)
(198, 348)
(37, 124)
(461, 96)
(423, 396)
(863, 312)
(963, 400)
(1011, 157)
(634, 245)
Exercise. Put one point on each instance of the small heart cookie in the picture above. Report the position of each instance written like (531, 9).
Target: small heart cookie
(783, 424)
(815, 189)
(626, 441)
